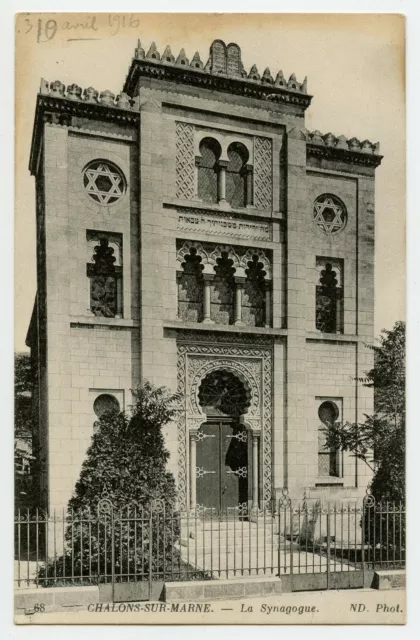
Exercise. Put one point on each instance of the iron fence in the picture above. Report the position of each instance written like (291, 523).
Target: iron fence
(160, 543)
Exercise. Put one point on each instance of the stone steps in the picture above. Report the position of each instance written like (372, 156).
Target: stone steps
(231, 525)
(258, 563)
(216, 539)
(251, 543)
(238, 528)
(238, 534)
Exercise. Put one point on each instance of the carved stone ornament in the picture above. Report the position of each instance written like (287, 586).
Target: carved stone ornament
(185, 160)
(223, 71)
(329, 214)
(103, 182)
(350, 150)
(211, 254)
(253, 366)
(263, 171)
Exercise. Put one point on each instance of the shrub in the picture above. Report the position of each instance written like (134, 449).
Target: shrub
(123, 511)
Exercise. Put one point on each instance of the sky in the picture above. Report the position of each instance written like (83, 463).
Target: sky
(355, 69)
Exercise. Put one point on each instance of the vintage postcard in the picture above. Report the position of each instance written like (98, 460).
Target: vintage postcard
(210, 319)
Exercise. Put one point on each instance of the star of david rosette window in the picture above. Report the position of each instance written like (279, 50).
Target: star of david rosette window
(103, 182)
(330, 214)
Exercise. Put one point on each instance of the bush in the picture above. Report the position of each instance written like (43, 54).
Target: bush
(123, 510)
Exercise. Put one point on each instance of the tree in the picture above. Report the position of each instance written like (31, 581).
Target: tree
(127, 458)
(24, 490)
(379, 441)
(23, 395)
(125, 467)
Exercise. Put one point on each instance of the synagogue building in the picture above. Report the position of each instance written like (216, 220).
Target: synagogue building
(193, 233)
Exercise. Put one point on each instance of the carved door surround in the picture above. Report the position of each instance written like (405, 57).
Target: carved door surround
(253, 366)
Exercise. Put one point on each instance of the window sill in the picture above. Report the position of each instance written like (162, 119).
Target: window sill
(328, 481)
(209, 207)
(105, 322)
(333, 337)
(227, 328)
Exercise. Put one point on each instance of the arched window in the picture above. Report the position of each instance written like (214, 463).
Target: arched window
(104, 404)
(223, 290)
(328, 459)
(236, 175)
(190, 288)
(329, 297)
(105, 275)
(221, 393)
(210, 151)
(253, 298)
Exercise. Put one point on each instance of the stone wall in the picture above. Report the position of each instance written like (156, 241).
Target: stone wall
(87, 355)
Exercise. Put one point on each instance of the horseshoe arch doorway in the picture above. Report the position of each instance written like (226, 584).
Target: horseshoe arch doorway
(222, 444)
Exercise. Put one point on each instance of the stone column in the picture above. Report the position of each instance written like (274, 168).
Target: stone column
(207, 280)
(338, 302)
(239, 282)
(118, 286)
(255, 447)
(221, 181)
(268, 303)
(178, 286)
(193, 469)
(249, 196)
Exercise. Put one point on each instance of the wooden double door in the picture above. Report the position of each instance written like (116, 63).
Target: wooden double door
(222, 465)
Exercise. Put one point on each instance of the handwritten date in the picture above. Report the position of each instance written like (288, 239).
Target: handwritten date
(46, 30)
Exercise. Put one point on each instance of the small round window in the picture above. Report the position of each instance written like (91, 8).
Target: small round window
(106, 403)
(103, 182)
(328, 412)
(329, 214)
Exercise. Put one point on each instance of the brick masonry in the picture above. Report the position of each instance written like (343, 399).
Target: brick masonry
(84, 356)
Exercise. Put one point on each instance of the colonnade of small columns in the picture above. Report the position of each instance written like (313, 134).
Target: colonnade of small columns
(239, 286)
(240, 262)
(221, 167)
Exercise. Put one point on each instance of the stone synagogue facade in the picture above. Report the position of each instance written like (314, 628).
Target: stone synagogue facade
(191, 232)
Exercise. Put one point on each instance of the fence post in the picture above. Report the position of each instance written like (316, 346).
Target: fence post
(150, 552)
(112, 555)
(291, 545)
(279, 546)
(157, 506)
(106, 508)
(285, 503)
(363, 543)
(368, 503)
(328, 545)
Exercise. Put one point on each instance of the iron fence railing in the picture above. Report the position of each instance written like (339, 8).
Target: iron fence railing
(160, 543)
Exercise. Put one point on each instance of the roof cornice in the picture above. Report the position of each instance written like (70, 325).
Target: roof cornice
(200, 78)
(57, 106)
(349, 157)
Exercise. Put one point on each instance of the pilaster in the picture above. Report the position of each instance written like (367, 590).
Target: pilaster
(297, 465)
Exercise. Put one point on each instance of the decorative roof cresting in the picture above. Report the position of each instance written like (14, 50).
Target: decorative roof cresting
(90, 95)
(224, 60)
(341, 142)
